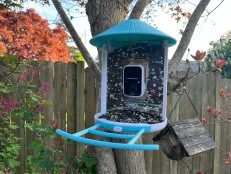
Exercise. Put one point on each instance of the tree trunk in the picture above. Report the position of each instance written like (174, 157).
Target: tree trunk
(103, 14)
(105, 161)
(130, 161)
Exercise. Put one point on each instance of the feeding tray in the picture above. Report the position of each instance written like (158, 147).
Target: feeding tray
(130, 120)
(184, 138)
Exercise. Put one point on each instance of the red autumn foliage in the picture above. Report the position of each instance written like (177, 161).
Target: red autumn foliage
(215, 112)
(178, 13)
(187, 15)
(54, 123)
(27, 35)
(7, 105)
(204, 120)
(224, 94)
(178, 9)
(5, 171)
(199, 56)
(228, 160)
(219, 63)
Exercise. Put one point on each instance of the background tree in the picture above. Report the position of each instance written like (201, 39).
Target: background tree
(75, 54)
(219, 56)
(9, 4)
(27, 35)
(103, 14)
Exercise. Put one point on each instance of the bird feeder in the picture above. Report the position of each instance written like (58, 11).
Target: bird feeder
(133, 84)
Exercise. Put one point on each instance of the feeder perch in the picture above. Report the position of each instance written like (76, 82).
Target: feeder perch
(184, 138)
(133, 85)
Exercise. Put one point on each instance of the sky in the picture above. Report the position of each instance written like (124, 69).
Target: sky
(210, 28)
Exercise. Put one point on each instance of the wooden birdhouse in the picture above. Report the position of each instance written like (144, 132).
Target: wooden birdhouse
(184, 138)
(133, 83)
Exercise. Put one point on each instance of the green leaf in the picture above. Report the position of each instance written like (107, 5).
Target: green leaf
(33, 96)
(36, 145)
(13, 163)
(19, 112)
(11, 126)
(27, 116)
(10, 58)
(29, 126)
(40, 129)
(13, 4)
(15, 149)
(2, 154)
(45, 102)
(6, 90)
(226, 71)
(46, 163)
(57, 171)
(88, 160)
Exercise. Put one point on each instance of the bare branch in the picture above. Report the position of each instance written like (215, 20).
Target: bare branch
(195, 5)
(187, 35)
(191, 3)
(178, 84)
(90, 61)
(215, 7)
(138, 9)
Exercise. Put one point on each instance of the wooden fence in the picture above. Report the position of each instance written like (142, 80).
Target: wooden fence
(73, 98)
(203, 91)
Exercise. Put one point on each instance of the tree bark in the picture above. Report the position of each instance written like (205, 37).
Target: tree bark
(130, 161)
(105, 161)
(103, 14)
(138, 9)
(187, 35)
(87, 57)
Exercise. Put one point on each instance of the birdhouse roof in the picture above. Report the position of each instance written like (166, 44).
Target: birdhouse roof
(192, 135)
(131, 30)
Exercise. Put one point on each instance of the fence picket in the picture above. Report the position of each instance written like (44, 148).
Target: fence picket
(29, 135)
(80, 104)
(46, 79)
(224, 130)
(228, 138)
(60, 94)
(46, 75)
(71, 104)
(90, 98)
(217, 156)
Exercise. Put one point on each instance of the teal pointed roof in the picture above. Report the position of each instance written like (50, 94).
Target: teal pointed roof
(131, 30)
